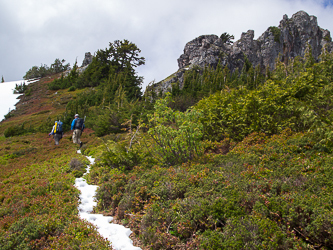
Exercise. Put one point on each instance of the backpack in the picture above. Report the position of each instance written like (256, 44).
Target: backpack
(58, 127)
(79, 123)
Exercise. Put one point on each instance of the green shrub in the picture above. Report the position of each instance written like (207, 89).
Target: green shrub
(17, 130)
(212, 240)
(249, 233)
(20, 88)
(111, 191)
(28, 92)
(271, 108)
(25, 151)
(65, 82)
(9, 115)
(176, 136)
(21, 233)
(72, 88)
(117, 155)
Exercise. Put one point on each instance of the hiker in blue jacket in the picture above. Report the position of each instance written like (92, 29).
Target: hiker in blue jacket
(57, 132)
(77, 127)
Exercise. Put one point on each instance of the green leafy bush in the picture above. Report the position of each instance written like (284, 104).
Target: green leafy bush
(21, 233)
(117, 155)
(72, 88)
(17, 130)
(176, 136)
(9, 115)
(237, 113)
(28, 92)
(249, 233)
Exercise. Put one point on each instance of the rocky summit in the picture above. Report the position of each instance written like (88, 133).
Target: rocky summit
(288, 40)
(87, 59)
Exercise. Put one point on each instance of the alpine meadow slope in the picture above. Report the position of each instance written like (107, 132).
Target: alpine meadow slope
(38, 200)
(213, 158)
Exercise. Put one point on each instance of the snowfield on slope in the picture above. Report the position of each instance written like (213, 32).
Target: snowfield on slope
(7, 98)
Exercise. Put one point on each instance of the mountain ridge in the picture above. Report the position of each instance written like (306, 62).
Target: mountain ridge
(288, 40)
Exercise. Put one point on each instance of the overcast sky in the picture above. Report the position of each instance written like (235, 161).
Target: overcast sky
(35, 32)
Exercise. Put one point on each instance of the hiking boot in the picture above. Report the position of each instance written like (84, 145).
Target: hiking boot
(81, 144)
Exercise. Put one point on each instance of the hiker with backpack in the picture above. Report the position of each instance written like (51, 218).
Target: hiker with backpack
(57, 132)
(77, 127)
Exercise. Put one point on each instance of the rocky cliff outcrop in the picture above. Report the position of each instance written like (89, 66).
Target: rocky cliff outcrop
(289, 39)
(87, 59)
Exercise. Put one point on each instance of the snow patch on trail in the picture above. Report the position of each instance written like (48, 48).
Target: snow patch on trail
(118, 235)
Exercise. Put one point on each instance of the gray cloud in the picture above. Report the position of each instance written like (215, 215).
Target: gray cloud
(38, 31)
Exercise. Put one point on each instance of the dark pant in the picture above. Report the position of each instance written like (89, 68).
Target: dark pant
(57, 138)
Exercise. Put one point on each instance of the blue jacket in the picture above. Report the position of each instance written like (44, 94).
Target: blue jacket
(73, 124)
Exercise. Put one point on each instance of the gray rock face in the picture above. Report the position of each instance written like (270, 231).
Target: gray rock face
(201, 51)
(87, 59)
(288, 40)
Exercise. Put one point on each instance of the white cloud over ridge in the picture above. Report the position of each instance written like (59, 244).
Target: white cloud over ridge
(36, 32)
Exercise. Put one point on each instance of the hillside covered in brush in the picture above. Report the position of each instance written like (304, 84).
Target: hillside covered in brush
(225, 160)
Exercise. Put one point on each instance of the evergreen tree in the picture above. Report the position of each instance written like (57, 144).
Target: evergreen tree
(44, 70)
(226, 75)
(65, 82)
(2, 79)
(280, 71)
(20, 88)
(309, 60)
(58, 66)
(226, 38)
(327, 64)
(250, 78)
(121, 57)
(268, 73)
(258, 76)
